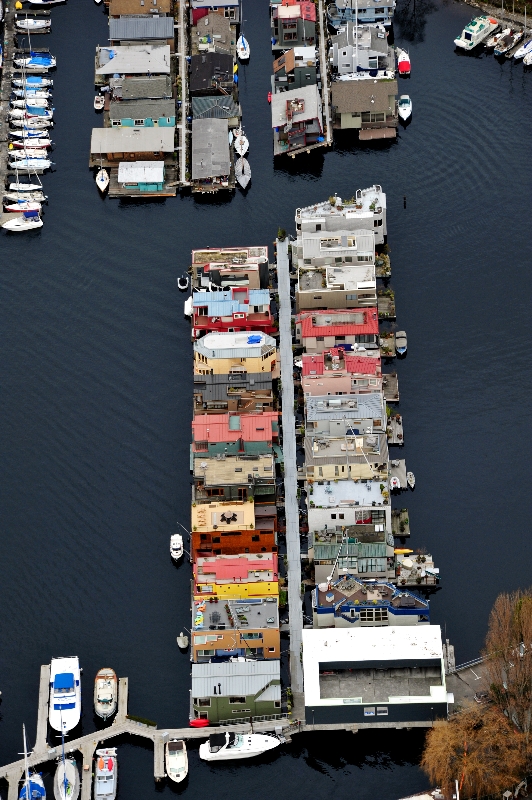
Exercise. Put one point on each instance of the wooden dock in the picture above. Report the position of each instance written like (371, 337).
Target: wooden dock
(398, 470)
(121, 725)
(390, 387)
(182, 127)
(400, 522)
(395, 430)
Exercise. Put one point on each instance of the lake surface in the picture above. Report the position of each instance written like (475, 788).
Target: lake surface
(96, 389)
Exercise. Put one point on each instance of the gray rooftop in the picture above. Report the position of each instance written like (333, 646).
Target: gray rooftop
(210, 148)
(219, 107)
(251, 613)
(368, 36)
(134, 59)
(142, 109)
(359, 406)
(141, 27)
(148, 87)
(132, 140)
(235, 678)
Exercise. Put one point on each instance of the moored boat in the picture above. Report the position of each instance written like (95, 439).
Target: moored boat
(403, 62)
(65, 694)
(36, 61)
(182, 283)
(99, 102)
(25, 187)
(39, 197)
(105, 692)
(27, 152)
(33, 25)
(23, 205)
(410, 479)
(527, 60)
(404, 107)
(242, 48)
(32, 82)
(395, 484)
(102, 179)
(33, 102)
(476, 32)
(105, 774)
(228, 746)
(26, 221)
(43, 94)
(241, 142)
(31, 165)
(33, 786)
(525, 48)
(242, 172)
(34, 142)
(507, 42)
(176, 760)
(29, 123)
(182, 641)
(66, 780)
(401, 342)
(176, 546)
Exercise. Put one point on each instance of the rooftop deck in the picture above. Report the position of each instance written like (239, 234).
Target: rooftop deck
(256, 613)
(346, 493)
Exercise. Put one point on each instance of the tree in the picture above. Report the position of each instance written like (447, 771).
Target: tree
(508, 654)
(480, 748)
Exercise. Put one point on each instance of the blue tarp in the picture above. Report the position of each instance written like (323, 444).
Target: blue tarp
(29, 215)
(64, 680)
(35, 791)
(254, 339)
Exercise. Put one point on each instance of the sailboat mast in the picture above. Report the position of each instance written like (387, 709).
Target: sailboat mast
(26, 768)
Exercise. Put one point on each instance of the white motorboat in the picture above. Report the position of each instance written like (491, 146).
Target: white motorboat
(523, 50)
(411, 479)
(183, 284)
(242, 48)
(176, 760)
(229, 746)
(188, 307)
(527, 60)
(401, 342)
(476, 32)
(99, 102)
(176, 546)
(403, 62)
(242, 172)
(44, 3)
(105, 777)
(182, 641)
(404, 107)
(26, 221)
(65, 694)
(241, 142)
(26, 114)
(102, 180)
(492, 41)
(66, 780)
(506, 43)
(105, 692)
(395, 484)
(31, 165)
(42, 94)
(34, 102)
(33, 25)
(23, 205)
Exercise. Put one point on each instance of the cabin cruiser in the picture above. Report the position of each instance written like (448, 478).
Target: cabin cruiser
(176, 760)
(403, 62)
(404, 107)
(26, 221)
(66, 780)
(476, 32)
(410, 479)
(105, 774)
(228, 746)
(105, 692)
(506, 43)
(65, 694)
(401, 342)
(176, 546)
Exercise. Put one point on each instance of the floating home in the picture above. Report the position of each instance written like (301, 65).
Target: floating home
(225, 693)
(232, 434)
(154, 29)
(361, 51)
(353, 330)
(297, 120)
(241, 576)
(342, 11)
(295, 69)
(230, 527)
(236, 628)
(365, 210)
(293, 24)
(230, 9)
(235, 478)
(365, 549)
(237, 309)
(367, 106)
(222, 267)
(212, 158)
(142, 114)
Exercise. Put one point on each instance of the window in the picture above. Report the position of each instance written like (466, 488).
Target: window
(341, 516)
(320, 338)
(237, 700)
(241, 711)
(202, 446)
(369, 712)
(336, 472)
(255, 538)
(202, 702)
(340, 338)
(320, 472)
(272, 650)
(139, 122)
(382, 711)
(277, 704)
(168, 120)
(317, 297)
(333, 516)
(202, 312)
(318, 227)
(307, 261)
(245, 636)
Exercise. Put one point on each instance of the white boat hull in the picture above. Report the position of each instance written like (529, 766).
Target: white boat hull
(20, 224)
(243, 172)
(65, 694)
(70, 769)
(105, 693)
(250, 745)
(102, 180)
(176, 760)
(243, 49)
(105, 774)
(176, 546)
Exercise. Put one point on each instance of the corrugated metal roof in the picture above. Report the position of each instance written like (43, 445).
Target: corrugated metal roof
(136, 59)
(313, 364)
(235, 678)
(222, 107)
(215, 428)
(132, 140)
(220, 304)
(368, 326)
(143, 27)
(210, 148)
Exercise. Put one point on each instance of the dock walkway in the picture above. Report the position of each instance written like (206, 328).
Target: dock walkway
(324, 73)
(183, 73)
(293, 547)
(5, 89)
(122, 725)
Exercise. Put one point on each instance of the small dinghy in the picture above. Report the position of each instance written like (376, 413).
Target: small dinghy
(176, 760)
(102, 180)
(105, 777)
(404, 107)
(105, 692)
(506, 43)
(400, 342)
(403, 62)
(66, 780)
(523, 50)
(33, 25)
(182, 283)
(410, 479)
(228, 746)
(182, 641)
(269, 97)
(395, 484)
(242, 48)
(241, 142)
(99, 102)
(176, 546)
(25, 222)
(243, 172)
(23, 205)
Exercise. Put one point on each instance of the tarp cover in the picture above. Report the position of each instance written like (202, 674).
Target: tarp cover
(64, 680)
(254, 339)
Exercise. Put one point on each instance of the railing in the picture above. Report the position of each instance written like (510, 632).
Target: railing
(468, 664)
(244, 720)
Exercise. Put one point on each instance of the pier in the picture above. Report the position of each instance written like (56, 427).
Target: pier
(325, 74)
(122, 725)
(183, 74)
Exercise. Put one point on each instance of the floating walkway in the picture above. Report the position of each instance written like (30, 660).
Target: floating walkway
(122, 724)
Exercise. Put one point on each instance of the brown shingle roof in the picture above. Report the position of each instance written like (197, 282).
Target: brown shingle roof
(350, 96)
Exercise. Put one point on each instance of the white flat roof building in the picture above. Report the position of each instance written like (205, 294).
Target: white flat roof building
(229, 345)
(374, 677)
(366, 209)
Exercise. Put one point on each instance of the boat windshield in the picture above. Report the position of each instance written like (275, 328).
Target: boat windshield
(404, 102)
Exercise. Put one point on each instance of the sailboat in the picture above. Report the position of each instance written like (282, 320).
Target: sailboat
(242, 48)
(33, 142)
(33, 786)
(30, 123)
(39, 197)
(66, 778)
(37, 62)
(243, 172)
(35, 25)
(42, 94)
(34, 102)
(102, 177)
(241, 142)
(32, 82)
(23, 205)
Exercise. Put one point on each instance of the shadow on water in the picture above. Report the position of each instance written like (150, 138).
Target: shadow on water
(410, 19)
(305, 165)
(337, 750)
(347, 142)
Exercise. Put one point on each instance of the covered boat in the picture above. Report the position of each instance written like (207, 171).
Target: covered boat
(176, 760)
(401, 342)
(65, 693)
(229, 746)
(26, 221)
(105, 692)
(105, 774)
(403, 62)
(32, 82)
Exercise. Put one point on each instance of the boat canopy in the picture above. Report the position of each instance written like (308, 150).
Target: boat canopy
(35, 791)
(64, 680)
